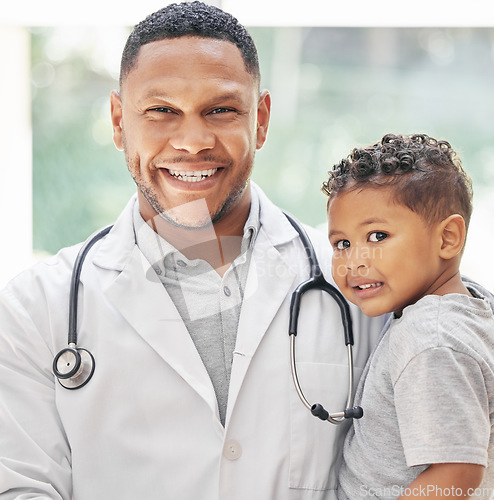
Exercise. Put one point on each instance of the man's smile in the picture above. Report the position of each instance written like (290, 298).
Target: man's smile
(192, 176)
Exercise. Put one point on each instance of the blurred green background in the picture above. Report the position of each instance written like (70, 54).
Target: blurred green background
(332, 89)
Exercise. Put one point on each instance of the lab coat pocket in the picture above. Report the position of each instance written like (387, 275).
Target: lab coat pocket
(316, 445)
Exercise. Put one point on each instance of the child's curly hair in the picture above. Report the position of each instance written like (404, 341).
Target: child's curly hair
(425, 174)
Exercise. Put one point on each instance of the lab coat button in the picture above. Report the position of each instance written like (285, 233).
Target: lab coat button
(232, 450)
(227, 291)
(181, 263)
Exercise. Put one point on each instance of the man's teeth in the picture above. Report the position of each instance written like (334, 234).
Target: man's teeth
(193, 176)
(369, 285)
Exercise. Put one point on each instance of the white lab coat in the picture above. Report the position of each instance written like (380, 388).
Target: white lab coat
(146, 426)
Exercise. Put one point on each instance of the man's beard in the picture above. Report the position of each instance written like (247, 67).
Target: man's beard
(177, 216)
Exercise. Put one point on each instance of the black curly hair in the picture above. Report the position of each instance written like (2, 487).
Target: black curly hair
(189, 19)
(426, 175)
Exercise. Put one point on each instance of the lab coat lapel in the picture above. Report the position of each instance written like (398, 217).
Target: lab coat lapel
(268, 285)
(154, 317)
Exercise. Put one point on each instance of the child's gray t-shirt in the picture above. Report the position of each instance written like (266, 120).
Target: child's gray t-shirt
(428, 398)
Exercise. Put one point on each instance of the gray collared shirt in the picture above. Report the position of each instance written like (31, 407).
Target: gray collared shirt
(208, 303)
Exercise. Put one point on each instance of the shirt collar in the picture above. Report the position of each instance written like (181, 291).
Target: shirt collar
(253, 223)
(155, 248)
(152, 245)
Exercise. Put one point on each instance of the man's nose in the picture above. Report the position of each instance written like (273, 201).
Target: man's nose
(193, 135)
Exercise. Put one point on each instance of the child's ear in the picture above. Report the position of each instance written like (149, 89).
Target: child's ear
(453, 232)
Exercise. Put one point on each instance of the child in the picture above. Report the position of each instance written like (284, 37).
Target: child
(398, 215)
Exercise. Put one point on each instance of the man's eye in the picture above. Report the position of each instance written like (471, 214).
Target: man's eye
(218, 111)
(162, 110)
(342, 244)
(377, 236)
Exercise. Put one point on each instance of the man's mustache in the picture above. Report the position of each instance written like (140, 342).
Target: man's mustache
(197, 159)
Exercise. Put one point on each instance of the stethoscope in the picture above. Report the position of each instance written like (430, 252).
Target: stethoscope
(316, 281)
(74, 366)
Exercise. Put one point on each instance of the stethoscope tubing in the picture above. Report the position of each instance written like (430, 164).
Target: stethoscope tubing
(76, 281)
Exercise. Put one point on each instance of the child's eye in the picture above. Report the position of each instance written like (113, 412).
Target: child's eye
(342, 244)
(377, 236)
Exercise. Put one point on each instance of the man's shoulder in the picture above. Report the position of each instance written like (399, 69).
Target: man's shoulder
(274, 216)
(51, 272)
(57, 269)
(317, 234)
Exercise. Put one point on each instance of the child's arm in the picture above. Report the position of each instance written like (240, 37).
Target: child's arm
(446, 481)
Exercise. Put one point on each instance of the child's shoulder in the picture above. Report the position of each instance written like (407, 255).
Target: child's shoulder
(438, 310)
(433, 312)
(459, 322)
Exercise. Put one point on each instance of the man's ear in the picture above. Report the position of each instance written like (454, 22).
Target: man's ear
(263, 113)
(453, 233)
(116, 118)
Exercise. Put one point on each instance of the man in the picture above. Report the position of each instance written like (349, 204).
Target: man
(184, 305)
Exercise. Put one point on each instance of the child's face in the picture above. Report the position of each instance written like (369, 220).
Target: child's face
(385, 256)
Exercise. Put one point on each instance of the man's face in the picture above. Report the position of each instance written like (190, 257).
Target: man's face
(189, 119)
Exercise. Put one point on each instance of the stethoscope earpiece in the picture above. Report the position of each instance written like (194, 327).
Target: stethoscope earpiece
(356, 412)
(319, 411)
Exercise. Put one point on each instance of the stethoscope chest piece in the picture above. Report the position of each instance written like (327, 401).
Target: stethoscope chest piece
(73, 367)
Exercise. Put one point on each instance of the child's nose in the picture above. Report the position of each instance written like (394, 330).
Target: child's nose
(357, 259)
